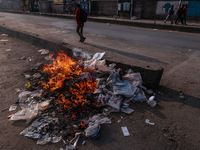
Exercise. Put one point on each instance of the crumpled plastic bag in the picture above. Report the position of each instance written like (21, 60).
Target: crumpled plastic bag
(134, 78)
(114, 79)
(28, 98)
(78, 53)
(99, 65)
(35, 129)
(98, 56)
(140, 96)
(96, 63)
(30, 112)
(43, 51)
(124, 88)
(94, 125)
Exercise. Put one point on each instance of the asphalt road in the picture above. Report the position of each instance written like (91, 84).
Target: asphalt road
(144, 47)
(176, 52)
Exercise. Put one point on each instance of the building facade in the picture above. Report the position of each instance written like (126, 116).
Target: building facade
(146, 9)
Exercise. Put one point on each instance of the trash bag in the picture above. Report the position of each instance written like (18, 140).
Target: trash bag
(124, 88)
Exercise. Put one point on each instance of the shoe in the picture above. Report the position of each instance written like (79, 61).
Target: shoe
(83, 39)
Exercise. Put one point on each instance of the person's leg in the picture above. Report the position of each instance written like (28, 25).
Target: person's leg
(172, 19)
(82, 30)
(184, 19)
(177, 20)
(78, 28)
(166, 18)
(82, 37)
(181, 19)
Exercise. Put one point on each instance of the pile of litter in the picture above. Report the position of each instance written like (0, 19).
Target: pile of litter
(67, 98)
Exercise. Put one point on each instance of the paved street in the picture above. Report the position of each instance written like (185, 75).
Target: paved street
(141, 46)
(129, 45)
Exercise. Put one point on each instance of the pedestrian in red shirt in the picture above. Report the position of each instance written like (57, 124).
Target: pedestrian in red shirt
(184, 14)
(80, 24)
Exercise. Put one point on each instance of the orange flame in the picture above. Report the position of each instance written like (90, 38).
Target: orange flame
(65, 69)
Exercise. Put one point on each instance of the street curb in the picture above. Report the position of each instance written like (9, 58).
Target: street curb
(120, 22)
(151, 78)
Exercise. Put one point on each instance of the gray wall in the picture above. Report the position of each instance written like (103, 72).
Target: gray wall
(104, 8)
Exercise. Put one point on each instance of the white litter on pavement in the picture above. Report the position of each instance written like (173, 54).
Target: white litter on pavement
(148, 122)
(2, 40)
(125, 131)
(43, 51)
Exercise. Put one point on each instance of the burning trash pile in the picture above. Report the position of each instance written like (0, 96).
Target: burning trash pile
(72, 98)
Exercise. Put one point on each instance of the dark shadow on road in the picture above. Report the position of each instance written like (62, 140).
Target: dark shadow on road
(169, 95)
(127, 54)
(173, 96)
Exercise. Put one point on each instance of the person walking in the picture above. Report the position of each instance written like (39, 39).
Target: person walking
(184, 14)
(80, 24)
(179, 15)
(170, 14)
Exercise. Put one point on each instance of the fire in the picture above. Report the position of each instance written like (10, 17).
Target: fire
(74, 94)
(63, 68)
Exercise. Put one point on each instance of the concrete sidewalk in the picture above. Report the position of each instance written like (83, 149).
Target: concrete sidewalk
(193, 27)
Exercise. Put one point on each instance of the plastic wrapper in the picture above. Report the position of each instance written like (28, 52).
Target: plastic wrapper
(43, 51)
(28, 98)
(115, 102)
(127, 110)
(96, 63)
(98, 56)
(30, 112)
(80, 54)
(114, 79)
(94, 125)
(99, 65)
(101, 100)
(134, 78)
